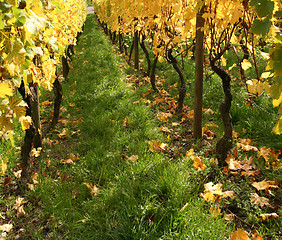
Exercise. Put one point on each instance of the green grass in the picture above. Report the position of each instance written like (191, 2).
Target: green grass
(136, 200)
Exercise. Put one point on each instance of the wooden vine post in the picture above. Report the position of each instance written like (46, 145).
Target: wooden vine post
(199, 60)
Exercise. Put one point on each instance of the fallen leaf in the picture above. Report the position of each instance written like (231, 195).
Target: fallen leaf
(19, 206)
(198, 163)
(133, 158)
(71, 104)
(68, 161)
(229, 217)
(63, 134)
(93, 188)
(46, 103)
(257, 200)
(267, 216)
(208, 111)
(18, 174)
(126, 122)
(166, 129)
(190, 152)
(264, 185)
(157, 146)
(162, 116)
(6, 227)
(35, 152)
(7, 181)
(239, 234)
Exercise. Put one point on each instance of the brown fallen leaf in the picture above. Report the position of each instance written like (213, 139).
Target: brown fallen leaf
(229, 217)
(63, 134)
(93, 188)
(68, 161)
(261, 201)
(267, 216)
(133, 158)
(19, 206)
(264, 185)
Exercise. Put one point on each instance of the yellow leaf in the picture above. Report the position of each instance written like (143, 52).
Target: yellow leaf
(198, 163)
(239, 234)
(26, 122)
(19, 110)
(278, 127)
(223, 61)
(3, 166)
(266, 75)
(190, 152)
(5, 90)
(265, 55)
(277, 102)
(246, 64)
(36, 152)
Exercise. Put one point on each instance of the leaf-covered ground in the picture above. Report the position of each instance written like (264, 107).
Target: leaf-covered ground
(119, 165)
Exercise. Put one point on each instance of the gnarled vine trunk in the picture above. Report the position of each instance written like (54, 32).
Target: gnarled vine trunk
(224, 144)
(182, 90)
(27, 144)
(153, 74)
(147, 55)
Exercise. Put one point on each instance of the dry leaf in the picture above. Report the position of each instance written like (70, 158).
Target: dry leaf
(198, 163)
(93, 188)
(267, 216)
(190, 152)
(18, 174)
(133, 158)
(239, 234)
(264, 185)
(35, 152)
(6, 227)
(46, 103)
(229, 217)
(68, 161)
(19, 206)
(157, 146)
(257, 200)
(166, 129)
(63, 134)
(126, 122)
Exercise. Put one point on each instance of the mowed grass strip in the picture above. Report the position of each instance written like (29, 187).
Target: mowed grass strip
(106, 194)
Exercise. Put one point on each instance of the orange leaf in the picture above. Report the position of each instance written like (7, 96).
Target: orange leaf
(239, 234)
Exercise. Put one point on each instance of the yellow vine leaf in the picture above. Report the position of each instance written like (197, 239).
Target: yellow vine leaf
(5, 90)
(26, 122)
(246, 64)
(19, 111)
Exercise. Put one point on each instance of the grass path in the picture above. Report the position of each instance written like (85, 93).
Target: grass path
(105, 195)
